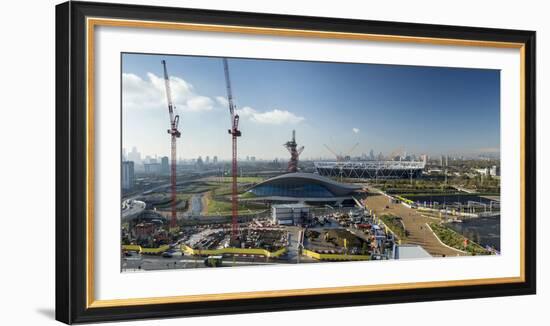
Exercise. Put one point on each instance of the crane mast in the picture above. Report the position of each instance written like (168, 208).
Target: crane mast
(234, 132)
(174, 135)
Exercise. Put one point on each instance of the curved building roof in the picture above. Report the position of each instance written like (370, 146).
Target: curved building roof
(303, 185)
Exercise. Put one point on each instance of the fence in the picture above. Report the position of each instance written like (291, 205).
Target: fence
(147, 251)
(235, 251)
(318, 256)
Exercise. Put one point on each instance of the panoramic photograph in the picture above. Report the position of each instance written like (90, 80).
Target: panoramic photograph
(230, 162)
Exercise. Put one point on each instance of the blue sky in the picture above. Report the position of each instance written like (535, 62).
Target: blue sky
(431, 110)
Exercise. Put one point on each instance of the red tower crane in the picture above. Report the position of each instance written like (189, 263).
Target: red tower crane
(234, 132)
(174, 134)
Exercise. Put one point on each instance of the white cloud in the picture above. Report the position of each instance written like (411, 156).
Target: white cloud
(222, 101)
(273, 117)
(200, 103)
(355, 130)
(150, 93)
(246, 112)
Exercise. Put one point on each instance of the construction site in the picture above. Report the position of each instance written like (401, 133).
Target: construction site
(243, 213)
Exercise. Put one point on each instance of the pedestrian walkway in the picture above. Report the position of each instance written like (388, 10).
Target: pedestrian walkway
(414, 222)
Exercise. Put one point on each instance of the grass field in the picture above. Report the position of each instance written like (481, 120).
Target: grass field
(456, 240)
(248, 195)
(244, 179)
(394, 223)
(216, 206)
(182, 200)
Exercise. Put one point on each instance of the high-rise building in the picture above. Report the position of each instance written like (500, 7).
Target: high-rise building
(424, 158)
(128, 177)
(164, 165)
(134, 156)
(371, 155)
(152, 168)
(215, 159)
(207, 159)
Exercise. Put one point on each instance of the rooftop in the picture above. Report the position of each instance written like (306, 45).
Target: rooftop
(296, 205)
(409, 251)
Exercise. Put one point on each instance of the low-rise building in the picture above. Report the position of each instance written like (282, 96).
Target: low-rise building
(289, 214)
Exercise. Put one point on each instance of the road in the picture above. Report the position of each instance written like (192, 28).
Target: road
(414, 222)
(178, 261)
(133, 208)
(196, 206)
(293, 253)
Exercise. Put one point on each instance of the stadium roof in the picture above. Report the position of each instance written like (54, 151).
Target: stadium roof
(293, 182)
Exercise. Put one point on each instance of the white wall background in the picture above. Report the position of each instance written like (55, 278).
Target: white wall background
(27, 134)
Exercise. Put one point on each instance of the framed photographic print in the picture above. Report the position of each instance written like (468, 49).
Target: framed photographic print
(212, 162)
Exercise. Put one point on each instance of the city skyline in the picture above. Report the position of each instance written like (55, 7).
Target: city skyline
(430, 110)
(209, 158)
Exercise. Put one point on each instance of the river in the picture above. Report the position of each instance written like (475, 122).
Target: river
(483, 230)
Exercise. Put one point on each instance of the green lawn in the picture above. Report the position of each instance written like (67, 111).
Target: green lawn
(456, 240)
(394, 223)
(244, 179)
(248, 195)
(181, 199)
(223, 207)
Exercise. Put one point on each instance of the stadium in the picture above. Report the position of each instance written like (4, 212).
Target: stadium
(371, 169)
(303, 187)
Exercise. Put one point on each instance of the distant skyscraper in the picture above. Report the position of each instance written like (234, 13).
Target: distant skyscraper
(134, 156)
(128, 177)
(164, 165)
(207, 160)
(371, 155)
(424, 158)
(153, 168)
(215, 159)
